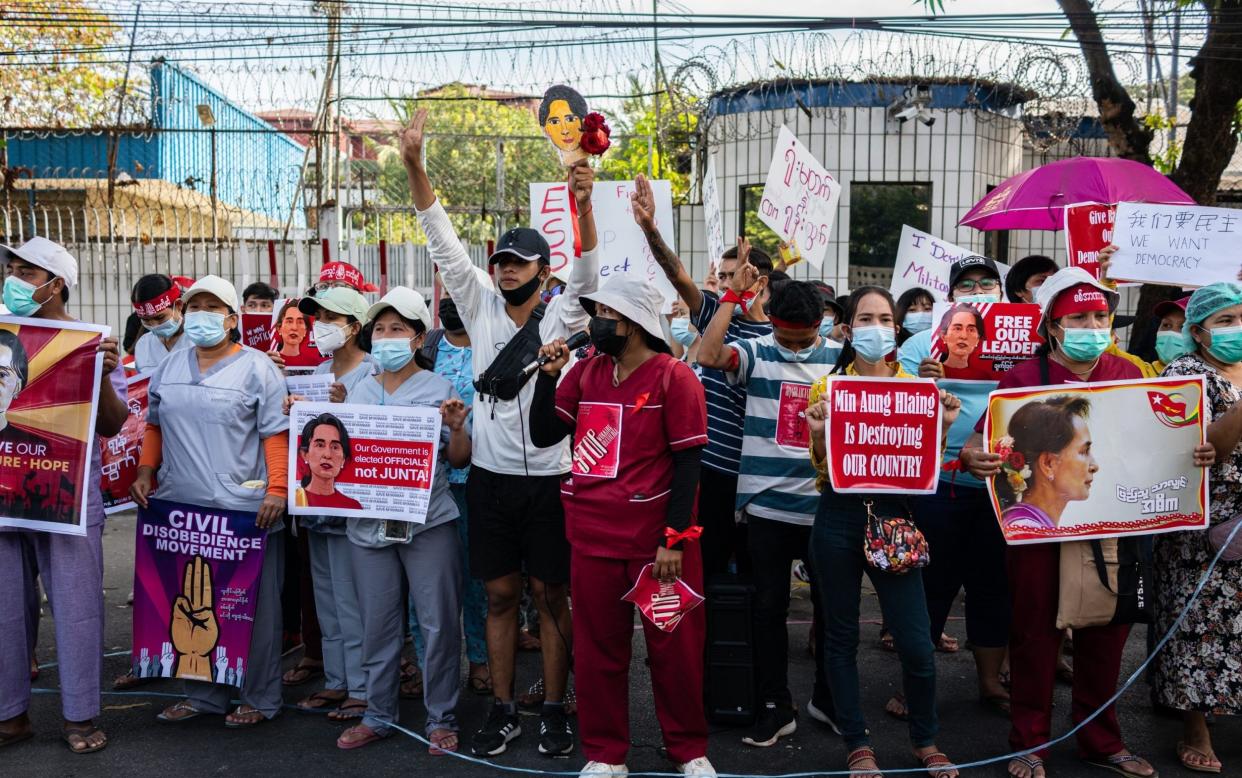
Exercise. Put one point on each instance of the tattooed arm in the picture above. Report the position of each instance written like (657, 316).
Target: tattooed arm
(643, 207)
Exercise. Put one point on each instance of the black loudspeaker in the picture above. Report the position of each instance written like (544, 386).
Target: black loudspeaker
(729, 679)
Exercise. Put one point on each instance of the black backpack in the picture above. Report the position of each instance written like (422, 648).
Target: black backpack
(503, 379)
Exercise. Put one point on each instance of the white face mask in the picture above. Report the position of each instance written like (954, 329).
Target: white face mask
(329, 337)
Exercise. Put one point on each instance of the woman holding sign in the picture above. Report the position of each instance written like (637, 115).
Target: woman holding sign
(837, 545)
(388, 555)
(223, 397)
(157, 304)
(1075, 319)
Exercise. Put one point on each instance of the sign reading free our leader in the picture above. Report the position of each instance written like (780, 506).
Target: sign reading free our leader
(883, 434)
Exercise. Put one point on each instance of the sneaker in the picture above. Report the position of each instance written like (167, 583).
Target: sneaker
(494, 737)
(773, 724)
(819, 715)
(699, 768)
(555, 736)
(601, 770)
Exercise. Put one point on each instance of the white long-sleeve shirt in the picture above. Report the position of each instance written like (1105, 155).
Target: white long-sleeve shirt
(501, 433)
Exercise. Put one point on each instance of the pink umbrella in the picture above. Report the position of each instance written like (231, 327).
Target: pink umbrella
(1036, 199)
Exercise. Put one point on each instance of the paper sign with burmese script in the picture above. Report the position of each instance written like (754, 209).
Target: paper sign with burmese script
(1177, 245)
(979, 341)
(883, 435)
(119, 454)
(372, 461)
(799, 198)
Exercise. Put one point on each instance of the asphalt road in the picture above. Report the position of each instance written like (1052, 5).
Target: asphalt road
(304, 745)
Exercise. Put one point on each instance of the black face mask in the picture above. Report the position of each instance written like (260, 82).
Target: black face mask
(522, 293)
(449, 318)
(605, 338)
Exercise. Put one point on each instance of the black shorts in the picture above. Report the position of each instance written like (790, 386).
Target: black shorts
(516, 524)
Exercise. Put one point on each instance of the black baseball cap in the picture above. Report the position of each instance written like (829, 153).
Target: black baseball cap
(971, 262)
(525, 244)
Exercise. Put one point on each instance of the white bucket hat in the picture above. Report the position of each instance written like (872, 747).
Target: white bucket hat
(632, 298)
(1067, 278)
(405, 301)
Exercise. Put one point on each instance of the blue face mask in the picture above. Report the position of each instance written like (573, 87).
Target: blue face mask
(19, 296)
(1226, 344)
(165, 330)
(1084, 344)
(974, 299)
(874, 343)
(917, 321)
(1170, 345)
(795, 356)
(681, 332)
(205, 328)
(826, 324)
(392, 354)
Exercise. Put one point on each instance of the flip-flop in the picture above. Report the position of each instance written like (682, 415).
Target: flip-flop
(318, 701)
(248, 723)
(300, 674)
(899, 699)
(351, 710)
(14, 738)
(1213, 766)
(81, 734)
(479, 685)
(411, 689)
(948, 644)
(437, 739)
(182, 705)
(1115, 764)
(1030, 762)
(370, 737)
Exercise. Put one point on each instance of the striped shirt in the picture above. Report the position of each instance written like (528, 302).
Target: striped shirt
(776, 479)
(726, 402)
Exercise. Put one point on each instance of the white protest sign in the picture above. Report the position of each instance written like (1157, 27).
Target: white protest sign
(713, 219)
(924, 260)
(1178, 245)
(312, 388)
(623, 247)
(799, 198)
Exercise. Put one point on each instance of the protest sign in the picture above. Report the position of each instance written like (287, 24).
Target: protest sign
(1088, 228)
(883, 435)
(293, 335)
(799, 198)
(1177, 245)
(924, 260)
(314, 387)
(713, 218)
(257, 330)
(372, 461)
(663, 603)
(196, 571)
(119, 454)
(623, 247)
(49, 391)
(979, 341)
(1102, 460)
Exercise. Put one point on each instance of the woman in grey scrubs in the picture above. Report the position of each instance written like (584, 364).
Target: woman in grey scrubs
(426, 555)
(340, 314)
(217, 435)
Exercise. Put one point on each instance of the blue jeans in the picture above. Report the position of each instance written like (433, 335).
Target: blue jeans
(836, 548)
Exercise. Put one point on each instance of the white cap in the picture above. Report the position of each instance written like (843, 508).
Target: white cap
(405, 301)
(214, 285)
(634, 299)
(1067, 278)
(48, 255)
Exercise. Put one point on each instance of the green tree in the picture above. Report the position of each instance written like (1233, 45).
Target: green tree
(634, 130)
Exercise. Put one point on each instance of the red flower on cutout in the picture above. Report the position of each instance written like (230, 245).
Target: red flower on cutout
(1016, 460)
(595, 134)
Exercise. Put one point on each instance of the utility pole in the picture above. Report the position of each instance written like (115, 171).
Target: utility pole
(655, 46)
(1174, 74)
(334, 44)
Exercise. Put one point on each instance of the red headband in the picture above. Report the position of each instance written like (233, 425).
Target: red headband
(342, 271)
(785, 324)
(1078, 299)
(158, 303)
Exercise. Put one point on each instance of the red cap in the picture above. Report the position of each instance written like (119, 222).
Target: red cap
(1171, 306)
(343, 271)
(1078, 299)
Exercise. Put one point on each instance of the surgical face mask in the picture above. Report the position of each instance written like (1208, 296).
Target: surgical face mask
(1170, 345)
(19, 296)
(1085, 344)
(917, 321)
(1227, 344)
(205, 328)
(329, 337)
(975, 299)
(164, 330)
(795, 356)
(826, 324)
(392, 354)
(681, 332)
(874, 343)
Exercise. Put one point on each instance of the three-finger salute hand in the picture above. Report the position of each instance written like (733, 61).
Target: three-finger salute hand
(412, 140)
(642, 202)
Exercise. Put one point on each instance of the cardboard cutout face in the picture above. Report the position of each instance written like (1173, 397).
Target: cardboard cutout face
(560, 114)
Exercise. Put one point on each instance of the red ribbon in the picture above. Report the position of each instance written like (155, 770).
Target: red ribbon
(159, 303)
(786, 324)
(742, 300)
(674, 537)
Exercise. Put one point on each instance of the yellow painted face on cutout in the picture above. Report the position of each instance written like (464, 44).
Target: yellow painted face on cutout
(563, 127)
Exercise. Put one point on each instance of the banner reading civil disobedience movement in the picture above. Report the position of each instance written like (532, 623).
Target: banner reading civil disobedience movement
(1098, 460)
(49, 390)
(372, 461)
(196, 571)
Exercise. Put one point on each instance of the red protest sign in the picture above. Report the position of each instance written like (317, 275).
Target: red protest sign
(978, 342)
(883, 435)
(1088, 228)
(257, 330)
(597, 443)
(119, 454)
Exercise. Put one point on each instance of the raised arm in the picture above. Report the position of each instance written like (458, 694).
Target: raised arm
(584, 274)
(712, 351)
(642, 204)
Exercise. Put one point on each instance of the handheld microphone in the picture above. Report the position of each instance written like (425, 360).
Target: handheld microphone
(575, 342)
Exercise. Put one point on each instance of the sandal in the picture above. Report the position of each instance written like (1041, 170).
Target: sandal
(1208, 764)
(357, 737)
(527, 641)
(896, 707)
(13, 738)
(948, 644)
(1116, 764)
(886, 641)
(443, 741)
(349, 711)
(79, 736)
(938, 765)
(479, 684)
(412, 689)
(301, 673)
(127, 681)
(178, 712)
(244, 717)
(409, 670)
(318, 701)
(862, 755)
(1031, 763)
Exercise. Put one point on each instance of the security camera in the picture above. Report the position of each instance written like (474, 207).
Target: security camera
(925, 116)
(902, 112)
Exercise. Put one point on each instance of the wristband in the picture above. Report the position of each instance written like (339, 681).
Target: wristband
(673, 537)
(741, 300)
